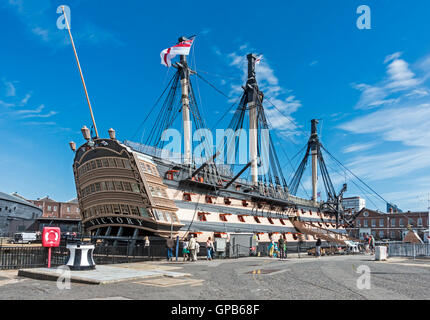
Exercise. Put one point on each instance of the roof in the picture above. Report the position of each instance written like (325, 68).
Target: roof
(47, 199)
(12, 198)
(58, 219)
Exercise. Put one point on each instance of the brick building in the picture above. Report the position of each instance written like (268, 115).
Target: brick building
(392, 226)
(55, 209)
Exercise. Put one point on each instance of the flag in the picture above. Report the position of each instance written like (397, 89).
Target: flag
(182, 48)
(258, 60)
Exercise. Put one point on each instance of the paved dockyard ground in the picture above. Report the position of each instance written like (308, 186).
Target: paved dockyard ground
(329, 277)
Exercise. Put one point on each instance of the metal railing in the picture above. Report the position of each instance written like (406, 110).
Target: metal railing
(20, 257)
(409, 250)
(30, 257)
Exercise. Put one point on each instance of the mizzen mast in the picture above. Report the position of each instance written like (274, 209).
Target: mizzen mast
(80, 71)
(314, 153)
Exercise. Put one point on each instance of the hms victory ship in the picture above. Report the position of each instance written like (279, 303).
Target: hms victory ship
(131, 190)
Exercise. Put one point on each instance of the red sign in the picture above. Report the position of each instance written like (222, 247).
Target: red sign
(51, 237)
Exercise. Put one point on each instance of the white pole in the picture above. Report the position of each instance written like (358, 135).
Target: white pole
(253, 141)
(186, 111)
(428, 220)
(314, 176)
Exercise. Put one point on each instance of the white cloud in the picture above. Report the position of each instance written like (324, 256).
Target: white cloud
(399, 78)
(359, 147)
(10, 88)
(393, 56)
(6, 104)
(43, 33)
(402, 119)
(25, 99)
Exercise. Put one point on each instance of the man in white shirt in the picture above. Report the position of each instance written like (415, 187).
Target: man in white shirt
(192, 248)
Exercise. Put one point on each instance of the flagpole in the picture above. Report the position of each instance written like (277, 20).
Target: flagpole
(80, 72)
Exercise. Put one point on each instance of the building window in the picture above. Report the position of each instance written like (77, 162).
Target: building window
(381, 234)
(393, 222)
(201, 216)
(381, 222)
(392, 234)
(187, 196)
(373, 223)
(68, 209)
(358, 223)
(365, 223)
(401, 222)
(420, 222)
(49, 208)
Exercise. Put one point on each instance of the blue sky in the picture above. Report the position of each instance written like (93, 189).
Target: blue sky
(370, 87)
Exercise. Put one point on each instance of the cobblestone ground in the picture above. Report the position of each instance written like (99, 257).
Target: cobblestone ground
(331, 277)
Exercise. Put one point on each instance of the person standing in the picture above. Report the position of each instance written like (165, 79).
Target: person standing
(281, 247)
(170, 244)
(146, 245)
(372, 244)
(197, 250)
(285, 248)
(318, 248)
(192, 248)
(185, 251)
(209, 248)
(271, 248)
(366, 243)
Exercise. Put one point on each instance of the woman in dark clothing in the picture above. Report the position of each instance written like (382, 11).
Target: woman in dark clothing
(318, 248)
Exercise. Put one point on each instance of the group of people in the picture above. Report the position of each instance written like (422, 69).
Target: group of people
(278, 248)
(190, 249)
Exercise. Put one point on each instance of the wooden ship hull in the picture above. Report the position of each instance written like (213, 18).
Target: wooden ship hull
(127, 193)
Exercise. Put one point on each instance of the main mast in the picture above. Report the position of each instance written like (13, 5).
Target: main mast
(314, 153)
(185, 100)
(253, 103)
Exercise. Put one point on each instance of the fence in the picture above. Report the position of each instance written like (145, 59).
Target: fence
(409, 250)
(35, 257)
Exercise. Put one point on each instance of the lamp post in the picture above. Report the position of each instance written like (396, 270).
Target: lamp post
(388, 228)
(428, 220)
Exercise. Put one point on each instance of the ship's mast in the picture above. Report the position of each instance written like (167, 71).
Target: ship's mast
(252, 98)
(80, 72)
(185, 78)
(314, 153)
